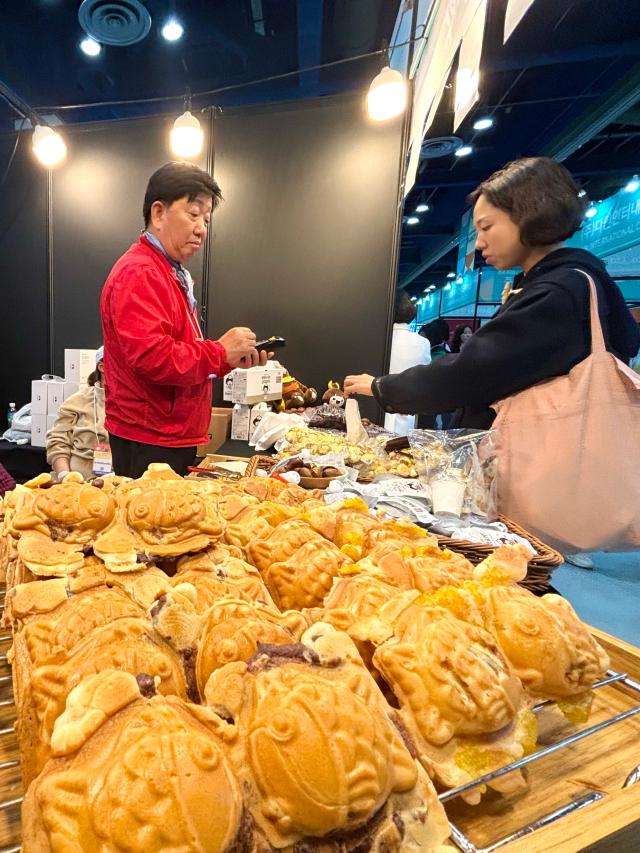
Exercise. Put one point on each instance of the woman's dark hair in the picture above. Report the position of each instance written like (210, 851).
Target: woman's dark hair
(436, 332)
(177, 180)
(406, 311)
(539, 195)
(456, 342)
(94, 377)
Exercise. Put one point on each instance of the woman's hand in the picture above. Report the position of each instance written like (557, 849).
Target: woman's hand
(360, 384)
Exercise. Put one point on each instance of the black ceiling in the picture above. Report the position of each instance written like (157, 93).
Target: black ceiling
(565, 65)
(225, 43)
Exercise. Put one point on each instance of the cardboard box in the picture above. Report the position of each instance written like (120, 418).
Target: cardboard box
(257, 413)
(39, 397)
(78, 364)
(227, 386)
(257, 384)
(240, 423)
(39, 430)
(55, 396)
(219, 430)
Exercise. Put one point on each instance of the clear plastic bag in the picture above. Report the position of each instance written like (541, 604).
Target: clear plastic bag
(459, 468)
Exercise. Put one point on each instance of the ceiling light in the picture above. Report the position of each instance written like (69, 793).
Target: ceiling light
(90, 47)
(459, 280)
(483, 123)
(633, 185)
(591, 211)
(582, 193)
(464, 151)
(48, 146)
(387, 96)
(172, 30)
(451, 275)
(431, 287)
(422, 208)
(447, 286)
(414, 298)
(186, 136)
(412, 220)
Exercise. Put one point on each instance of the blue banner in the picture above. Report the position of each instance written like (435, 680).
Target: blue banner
(615, 227)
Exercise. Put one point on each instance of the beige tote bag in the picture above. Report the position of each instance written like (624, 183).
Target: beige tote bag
(569, 458)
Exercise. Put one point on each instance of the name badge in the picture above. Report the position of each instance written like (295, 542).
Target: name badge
(102, 460)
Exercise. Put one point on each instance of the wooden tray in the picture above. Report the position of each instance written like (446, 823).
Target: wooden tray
(599, 763)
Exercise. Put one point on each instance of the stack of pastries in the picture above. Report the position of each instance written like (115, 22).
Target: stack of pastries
(231, 667)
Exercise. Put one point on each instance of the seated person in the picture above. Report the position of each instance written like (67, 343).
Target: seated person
(79, 426)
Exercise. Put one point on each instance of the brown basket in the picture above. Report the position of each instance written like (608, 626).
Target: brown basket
(264, 463)
(540, 566)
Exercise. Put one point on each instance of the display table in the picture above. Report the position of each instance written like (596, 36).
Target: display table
(23, 461)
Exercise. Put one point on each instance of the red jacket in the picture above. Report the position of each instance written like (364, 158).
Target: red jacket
(156, 362)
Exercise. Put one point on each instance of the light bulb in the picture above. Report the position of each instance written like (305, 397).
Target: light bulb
(387, 96)
(451, 275)
(412, 220)
(172, 30)
(633, 184)
(463, 151)
(591, 211)
(48, 146)
(483, 123)
(90, 47)
(422, 208)
(186, 136)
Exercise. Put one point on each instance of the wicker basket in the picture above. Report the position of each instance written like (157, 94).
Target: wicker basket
(540, 567)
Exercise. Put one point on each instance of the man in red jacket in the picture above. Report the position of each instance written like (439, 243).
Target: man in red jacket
(158, 366)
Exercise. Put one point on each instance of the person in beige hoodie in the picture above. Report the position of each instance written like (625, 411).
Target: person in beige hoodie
(79, 427)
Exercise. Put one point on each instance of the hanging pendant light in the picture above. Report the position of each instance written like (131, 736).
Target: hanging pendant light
(48, 146)
(387, 96)
(186, 136)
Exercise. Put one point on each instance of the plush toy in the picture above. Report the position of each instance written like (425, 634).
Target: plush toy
(334, 395)
(295, 395)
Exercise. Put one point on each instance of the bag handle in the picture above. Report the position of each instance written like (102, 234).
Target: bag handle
(597, 336)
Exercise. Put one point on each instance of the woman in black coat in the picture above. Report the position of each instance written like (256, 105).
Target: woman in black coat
(523, 214)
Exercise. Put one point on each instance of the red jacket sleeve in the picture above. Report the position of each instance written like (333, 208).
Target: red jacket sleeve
(144, 322)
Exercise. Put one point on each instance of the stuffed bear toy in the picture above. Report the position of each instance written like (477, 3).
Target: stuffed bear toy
(334, 395)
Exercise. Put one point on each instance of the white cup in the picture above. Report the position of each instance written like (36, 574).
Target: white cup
(447, 496)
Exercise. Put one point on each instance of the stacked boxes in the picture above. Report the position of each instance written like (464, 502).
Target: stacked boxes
(245, 388)
(48, 394)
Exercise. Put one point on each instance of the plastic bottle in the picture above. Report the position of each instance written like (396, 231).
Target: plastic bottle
(10, 414)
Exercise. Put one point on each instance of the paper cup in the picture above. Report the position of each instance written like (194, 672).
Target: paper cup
(447, 496)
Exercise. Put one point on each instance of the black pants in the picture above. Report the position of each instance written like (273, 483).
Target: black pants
(131, 458)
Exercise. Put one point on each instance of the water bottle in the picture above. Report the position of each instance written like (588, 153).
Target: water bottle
(11, 413)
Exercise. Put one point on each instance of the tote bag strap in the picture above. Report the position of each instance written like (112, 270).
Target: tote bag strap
(597, 337)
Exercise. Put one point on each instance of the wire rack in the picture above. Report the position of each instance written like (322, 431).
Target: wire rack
(457, 836)
(464, 843)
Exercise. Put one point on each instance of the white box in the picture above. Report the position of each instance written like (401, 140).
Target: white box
(55, 396)
(240, 423)
(39, 397)
(227, 386)
(51, 419)
(257, 384)
(39, 430)
(78, 364)
(69, 389)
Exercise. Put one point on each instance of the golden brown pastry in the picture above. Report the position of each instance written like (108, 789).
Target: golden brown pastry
(128, 643)
(227, 578)
(256, 522)
(232, 630)
(318, 752)
(134, 773)
(281, 544)
(307, 576)
(458, 697)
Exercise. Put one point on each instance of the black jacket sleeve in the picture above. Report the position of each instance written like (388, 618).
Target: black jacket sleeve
(539, 334)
